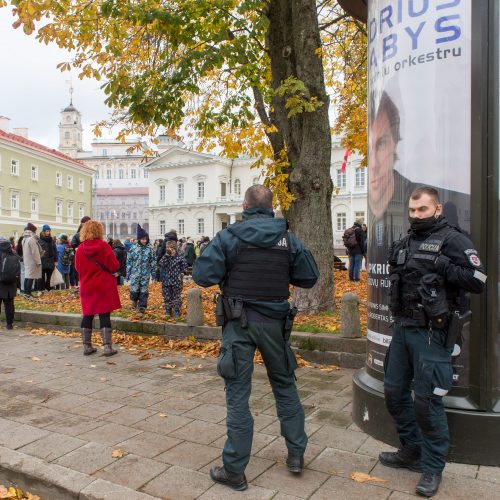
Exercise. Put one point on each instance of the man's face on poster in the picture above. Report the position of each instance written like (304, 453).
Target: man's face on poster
(381, 157)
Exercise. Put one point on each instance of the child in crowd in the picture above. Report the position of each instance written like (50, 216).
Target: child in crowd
(65, 257)
(141, 260)
(172, 270)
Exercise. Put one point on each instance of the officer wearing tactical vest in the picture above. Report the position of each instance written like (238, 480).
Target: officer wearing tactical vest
(431, 271)
(254, 261)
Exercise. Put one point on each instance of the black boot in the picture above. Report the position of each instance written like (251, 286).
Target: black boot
(106, 340)
(295, 464)
(236, 481)
(405, 458)
(87, 342)
(428, 484)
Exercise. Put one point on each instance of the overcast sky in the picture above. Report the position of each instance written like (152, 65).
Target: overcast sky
(33, 91)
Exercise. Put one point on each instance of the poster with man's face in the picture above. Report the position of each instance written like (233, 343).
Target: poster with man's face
(419, 134)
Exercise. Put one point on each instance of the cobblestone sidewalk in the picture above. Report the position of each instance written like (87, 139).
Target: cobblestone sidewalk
(70, 412)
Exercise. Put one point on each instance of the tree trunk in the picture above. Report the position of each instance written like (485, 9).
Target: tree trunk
(293, 42)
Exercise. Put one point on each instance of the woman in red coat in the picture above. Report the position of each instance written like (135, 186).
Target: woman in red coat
(97, 266)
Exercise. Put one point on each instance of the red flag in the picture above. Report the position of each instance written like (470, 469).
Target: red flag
(346, 156)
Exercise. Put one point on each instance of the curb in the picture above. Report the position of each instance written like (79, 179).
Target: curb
(324, 348)
(54, 482)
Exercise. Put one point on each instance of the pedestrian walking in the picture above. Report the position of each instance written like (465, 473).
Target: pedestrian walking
(65, 257)
(432, 270)
(32, 257)
(353, 241)
(49, 258)
(10, 270)
(97, 266)
(254, 262)
(173, 267)
(141, 261)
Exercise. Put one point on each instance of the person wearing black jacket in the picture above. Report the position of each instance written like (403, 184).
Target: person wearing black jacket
(121, 257)
(356, 253)
(49, 258)
(8, 291)
(170, 236)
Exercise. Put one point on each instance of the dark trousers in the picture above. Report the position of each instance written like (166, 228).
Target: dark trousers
(104, 320)
(46, 274)
(28, 285)
(355, 262)
(141, 297)
(416, 354)
(9, 310)
(235, 365)
(73, 276)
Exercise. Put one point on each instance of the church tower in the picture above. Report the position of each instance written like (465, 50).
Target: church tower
(70, 130)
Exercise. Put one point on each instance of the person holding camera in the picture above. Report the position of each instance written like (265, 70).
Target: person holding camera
(432, 270)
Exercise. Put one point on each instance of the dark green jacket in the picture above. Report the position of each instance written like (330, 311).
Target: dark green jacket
(261, 229)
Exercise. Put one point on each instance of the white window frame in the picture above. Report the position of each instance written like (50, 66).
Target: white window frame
(69, 211)
(237, 186)
(15, 201)
(109, 174)
(34, 172)
(69, 182)
(121, 173)
(81, 211)
(163, 192)
(133, 173)
(200, 190)
(341, 219)
(59, 210)
(180, 191)
(34, 204)
(97, 174)
(360, 181)
(15, 166)
(162, 226)
(180, 226)
(146, 174)
(200, 225)
(341, 179)
(59, 179)
(81, 185)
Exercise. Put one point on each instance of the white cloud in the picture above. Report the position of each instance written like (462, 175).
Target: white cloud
(34, 91)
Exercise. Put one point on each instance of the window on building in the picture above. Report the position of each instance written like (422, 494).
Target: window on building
(58, 179)
(134, 215)
(66, 135)
(34, 173)
(360, 177)
(104, 152)
(341, 221)
(34, 204)
(14, 167)
(201, 189)
(121, 174)
(237, 186)
(223, 189)
(123, 215)
(108, 174)
(97, 174)
(70, 182)
(162, 193)
(81, 185)
(69, 210)
(201, 226)
(81, 211)
(180, 192)
(162, 227)
(14, 200)
(359, 216)
(133, 173)
(180, 226)
(341, 179)
(59, 208)
(146, 174)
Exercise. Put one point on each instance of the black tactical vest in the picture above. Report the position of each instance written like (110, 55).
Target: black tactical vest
(260, 273)
(411, 265)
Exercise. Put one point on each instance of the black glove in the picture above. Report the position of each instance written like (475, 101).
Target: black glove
(441, 264)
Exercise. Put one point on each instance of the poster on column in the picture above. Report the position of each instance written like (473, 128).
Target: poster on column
(419, 59)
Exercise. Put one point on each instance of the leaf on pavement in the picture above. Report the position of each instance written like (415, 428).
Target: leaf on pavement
(361, 477)
(118, 453)
(35, 358)
(167, 366)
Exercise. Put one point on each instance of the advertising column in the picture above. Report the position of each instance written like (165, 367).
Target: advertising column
(419, 134)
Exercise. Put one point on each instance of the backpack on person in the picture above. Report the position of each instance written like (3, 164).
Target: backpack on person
(349, 238)
(10, 267)
(67, 256)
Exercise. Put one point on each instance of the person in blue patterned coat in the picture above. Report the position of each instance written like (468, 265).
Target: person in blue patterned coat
(141, 261)
(172, 270)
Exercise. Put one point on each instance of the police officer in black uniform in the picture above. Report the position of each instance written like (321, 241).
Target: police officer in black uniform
(431, 271)
(254, 262)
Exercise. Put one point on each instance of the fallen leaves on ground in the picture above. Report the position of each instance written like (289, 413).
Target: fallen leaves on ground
(361, 477)
(118, 453)
(68, 301)
(15, 494)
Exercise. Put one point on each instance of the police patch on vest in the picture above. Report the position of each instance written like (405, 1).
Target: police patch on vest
(431, 246)
(471, 255)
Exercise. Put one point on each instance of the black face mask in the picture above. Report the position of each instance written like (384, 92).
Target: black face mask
(424, 224)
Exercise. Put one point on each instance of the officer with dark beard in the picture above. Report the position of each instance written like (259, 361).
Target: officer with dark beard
(431, 272)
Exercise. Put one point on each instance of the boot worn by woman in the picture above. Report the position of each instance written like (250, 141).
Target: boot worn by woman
(87, 342)
(106, 340)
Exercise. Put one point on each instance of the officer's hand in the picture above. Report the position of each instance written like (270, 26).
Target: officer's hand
(441, 264)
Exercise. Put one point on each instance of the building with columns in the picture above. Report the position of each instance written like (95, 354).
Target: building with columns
(197, 194)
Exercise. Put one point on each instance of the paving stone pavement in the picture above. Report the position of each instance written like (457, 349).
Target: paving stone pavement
(72, 411)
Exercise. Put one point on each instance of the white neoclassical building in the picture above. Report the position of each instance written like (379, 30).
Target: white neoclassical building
(198, 194)
(350, 196)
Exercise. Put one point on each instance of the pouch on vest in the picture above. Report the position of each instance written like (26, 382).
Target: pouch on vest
(433, 298)
(395, 293)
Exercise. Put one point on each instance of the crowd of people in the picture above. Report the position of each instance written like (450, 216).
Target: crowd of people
(48, 261)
